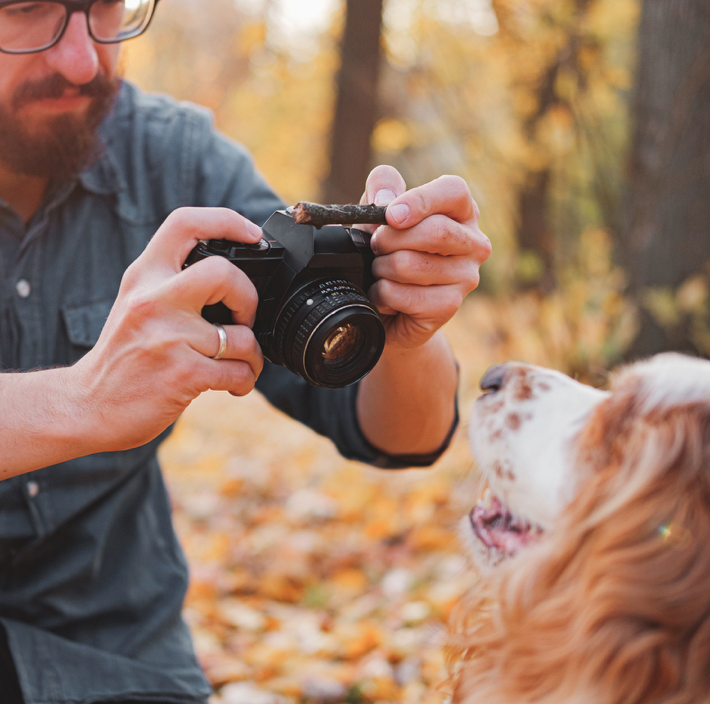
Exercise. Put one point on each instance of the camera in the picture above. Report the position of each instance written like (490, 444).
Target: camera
(313, 316)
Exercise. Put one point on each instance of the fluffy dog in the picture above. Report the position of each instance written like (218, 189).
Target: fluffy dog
(593, 538)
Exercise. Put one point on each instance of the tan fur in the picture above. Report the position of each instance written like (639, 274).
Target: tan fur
(613, 605)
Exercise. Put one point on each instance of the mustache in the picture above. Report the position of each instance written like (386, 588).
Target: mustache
(55, 86)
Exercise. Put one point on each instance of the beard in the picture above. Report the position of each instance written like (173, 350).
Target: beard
(65, 145)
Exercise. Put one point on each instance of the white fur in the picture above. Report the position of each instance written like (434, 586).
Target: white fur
(673, 379)
(527, 465)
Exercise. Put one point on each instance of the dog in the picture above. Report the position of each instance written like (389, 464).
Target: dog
(591, 537)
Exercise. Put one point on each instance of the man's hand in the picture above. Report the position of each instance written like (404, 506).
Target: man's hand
(154, 355)
(428, 255)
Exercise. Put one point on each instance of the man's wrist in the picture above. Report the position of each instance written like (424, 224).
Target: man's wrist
(406, 405)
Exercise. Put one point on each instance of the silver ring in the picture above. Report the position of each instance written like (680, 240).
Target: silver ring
(222, 341)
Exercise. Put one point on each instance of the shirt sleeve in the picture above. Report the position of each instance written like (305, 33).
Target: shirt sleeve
(332, 412)
(227, 177)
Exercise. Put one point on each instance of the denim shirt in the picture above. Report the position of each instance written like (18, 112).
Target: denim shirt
(92, 577)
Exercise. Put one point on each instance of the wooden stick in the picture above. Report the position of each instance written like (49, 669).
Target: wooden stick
(305, 213)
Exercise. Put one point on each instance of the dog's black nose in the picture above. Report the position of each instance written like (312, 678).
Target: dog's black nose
(494, 378)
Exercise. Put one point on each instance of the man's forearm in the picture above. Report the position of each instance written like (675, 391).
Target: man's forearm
(40, 421)
(405, 405)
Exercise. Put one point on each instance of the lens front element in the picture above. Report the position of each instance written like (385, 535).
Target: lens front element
(343, 345)
(330, 334)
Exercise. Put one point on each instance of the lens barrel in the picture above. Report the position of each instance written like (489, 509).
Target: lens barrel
(329, 333)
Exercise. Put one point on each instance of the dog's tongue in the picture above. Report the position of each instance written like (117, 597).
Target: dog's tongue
(498, 529)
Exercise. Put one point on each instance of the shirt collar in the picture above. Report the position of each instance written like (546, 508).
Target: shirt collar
(103, 178)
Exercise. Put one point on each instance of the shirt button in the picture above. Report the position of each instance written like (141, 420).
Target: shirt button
(32, 489)
(23, 288)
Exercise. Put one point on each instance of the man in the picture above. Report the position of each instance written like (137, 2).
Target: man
(102, 337)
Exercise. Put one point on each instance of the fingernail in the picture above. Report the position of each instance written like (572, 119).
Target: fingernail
(384, 196)
(253, 229)
(399, 212)
(373, 243)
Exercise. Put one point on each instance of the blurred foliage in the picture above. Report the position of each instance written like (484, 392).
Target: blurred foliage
(313, 579)
(684, 310)
(471, 104)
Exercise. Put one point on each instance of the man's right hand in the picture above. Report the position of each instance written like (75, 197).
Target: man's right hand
(154, 355)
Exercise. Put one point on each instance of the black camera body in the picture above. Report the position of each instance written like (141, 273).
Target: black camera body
(313, 315)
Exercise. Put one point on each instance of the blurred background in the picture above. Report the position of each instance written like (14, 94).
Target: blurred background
(583, 130)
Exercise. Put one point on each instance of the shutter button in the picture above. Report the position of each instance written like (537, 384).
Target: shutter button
(32, 489)
(23, 288)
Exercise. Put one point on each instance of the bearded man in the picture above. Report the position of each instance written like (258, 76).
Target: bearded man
(104, 191)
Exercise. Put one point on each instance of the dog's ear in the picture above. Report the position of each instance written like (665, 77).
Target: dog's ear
(613, 606)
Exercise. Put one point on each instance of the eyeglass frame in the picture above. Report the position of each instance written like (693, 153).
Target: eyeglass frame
(72, 6)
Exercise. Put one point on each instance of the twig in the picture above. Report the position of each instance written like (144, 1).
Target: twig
(305, 213)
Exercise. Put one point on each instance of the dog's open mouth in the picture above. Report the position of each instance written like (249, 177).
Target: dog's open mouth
(499, 530)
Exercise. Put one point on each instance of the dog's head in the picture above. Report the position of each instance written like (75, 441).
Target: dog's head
(597, 507)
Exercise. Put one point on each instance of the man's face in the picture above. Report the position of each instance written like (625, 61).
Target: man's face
(52, 102)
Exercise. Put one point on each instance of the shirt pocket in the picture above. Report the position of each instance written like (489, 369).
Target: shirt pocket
(84, 324)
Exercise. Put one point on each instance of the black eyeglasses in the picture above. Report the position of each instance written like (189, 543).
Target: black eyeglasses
(28, 27)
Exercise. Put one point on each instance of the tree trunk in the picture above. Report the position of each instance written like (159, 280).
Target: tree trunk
(356, 107)
(535, 232)
(666, 234)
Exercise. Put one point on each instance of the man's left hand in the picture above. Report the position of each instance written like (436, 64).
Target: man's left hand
(428, 254)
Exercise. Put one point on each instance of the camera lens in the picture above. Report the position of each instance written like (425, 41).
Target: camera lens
(330, 333)
(343, 345)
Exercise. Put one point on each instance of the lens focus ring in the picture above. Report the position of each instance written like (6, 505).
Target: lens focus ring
(330, 334)
(319, 314)
(295, 305)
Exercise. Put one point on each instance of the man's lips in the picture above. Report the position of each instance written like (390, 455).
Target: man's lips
(70, 100)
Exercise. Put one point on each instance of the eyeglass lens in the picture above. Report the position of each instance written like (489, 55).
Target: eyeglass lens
(33, 26)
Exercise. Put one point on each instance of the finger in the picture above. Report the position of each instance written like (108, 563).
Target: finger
(241, 365)
(438, 303)
(236, 376)
(241, 344)
(447, 195)
(213, 280)
(383, 185)
(438, 234)
(183, 229)
(423, 269)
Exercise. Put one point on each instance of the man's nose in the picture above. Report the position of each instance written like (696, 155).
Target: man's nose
(75, 55)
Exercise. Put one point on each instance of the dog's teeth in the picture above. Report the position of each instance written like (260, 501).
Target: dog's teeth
(516, 524)
(487, 500)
